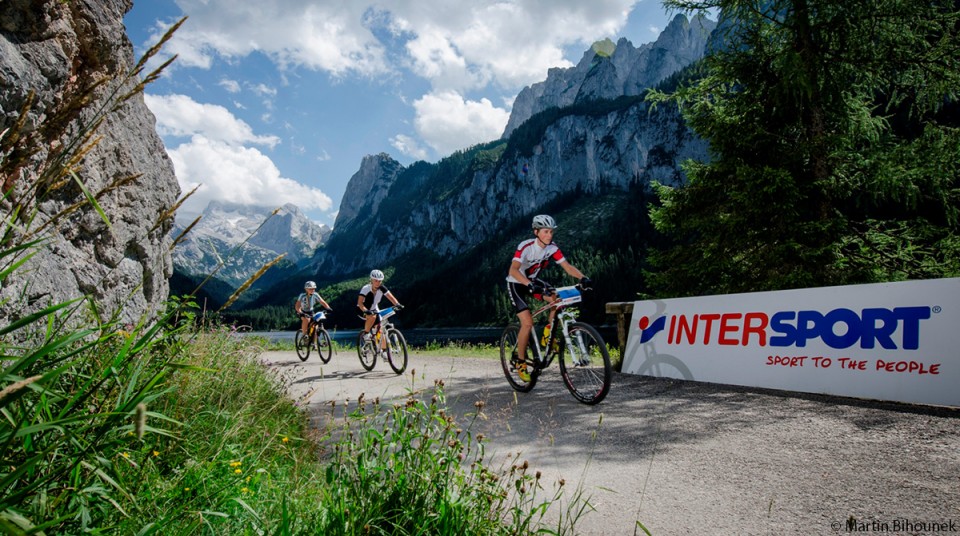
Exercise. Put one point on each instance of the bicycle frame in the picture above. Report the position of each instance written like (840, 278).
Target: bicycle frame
(565, 297)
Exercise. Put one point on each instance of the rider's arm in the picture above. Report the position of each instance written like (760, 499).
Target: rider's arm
(390, 297)
(296, 305)
(360, 303)
(571, 270)
(516, 273)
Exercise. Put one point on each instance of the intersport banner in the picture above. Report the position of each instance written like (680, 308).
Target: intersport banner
(885, 341)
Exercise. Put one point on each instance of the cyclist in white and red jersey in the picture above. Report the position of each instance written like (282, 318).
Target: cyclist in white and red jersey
(531, 257)
(369, 301)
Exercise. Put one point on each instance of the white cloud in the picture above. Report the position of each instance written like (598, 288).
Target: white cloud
(231, 86)
(238, 174)
(408, 146)
(492, 47)
(325, 35)
(264, 90)
(218, 157)
(179, 115)
(447, 122)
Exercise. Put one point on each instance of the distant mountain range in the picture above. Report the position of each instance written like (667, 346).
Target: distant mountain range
(583, 145)
(244, 238)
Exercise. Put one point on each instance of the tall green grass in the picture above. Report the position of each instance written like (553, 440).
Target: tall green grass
(164, 427)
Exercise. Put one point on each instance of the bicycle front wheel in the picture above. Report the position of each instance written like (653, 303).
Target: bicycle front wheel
(397, 351)
(324, 345)
(366, 352)
(521, 373)
(585, 364)
(302, 343)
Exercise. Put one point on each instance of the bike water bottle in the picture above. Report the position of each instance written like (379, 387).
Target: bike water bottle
(546, 336)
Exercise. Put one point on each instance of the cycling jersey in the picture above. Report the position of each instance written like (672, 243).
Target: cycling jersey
(371, 298)
(533, 257)
(308, 301)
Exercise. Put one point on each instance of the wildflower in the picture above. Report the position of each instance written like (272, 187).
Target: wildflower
(156, 453)
(285, 439)
(236, 463)
(245, 490)
(186, 489)
(125, 454)
(238, 471)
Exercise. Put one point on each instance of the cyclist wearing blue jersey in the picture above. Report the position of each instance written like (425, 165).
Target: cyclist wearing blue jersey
(531, 257)
(307, 303)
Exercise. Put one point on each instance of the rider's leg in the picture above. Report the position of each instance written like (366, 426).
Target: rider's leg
(304, 323)
(368, 323)
(526, 327)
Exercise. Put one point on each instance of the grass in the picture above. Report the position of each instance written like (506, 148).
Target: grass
(212, 444)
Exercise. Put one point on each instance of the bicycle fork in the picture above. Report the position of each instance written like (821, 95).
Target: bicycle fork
(578, 350)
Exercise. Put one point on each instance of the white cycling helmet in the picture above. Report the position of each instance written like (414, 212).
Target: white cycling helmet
(309, 284)
(543, 221)
(376, 275)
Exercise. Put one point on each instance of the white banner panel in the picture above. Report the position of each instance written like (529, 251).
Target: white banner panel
(886, 341)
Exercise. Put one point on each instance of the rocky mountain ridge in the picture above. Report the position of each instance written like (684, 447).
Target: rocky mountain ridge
(626, 71)
(583, 131)
(246, 237)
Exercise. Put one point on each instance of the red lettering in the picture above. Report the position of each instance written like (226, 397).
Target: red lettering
(688, 329)
(760, 329)
(708, 321)
(908, 367)
(673, 325)
(726, 327)
(786, 361)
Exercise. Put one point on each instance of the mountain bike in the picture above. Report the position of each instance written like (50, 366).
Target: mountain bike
(581, 351)
(317, 338)
(396, 351)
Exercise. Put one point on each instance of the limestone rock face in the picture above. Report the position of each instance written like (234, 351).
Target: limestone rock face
(627, 71)
(246, 237)
(55, 49)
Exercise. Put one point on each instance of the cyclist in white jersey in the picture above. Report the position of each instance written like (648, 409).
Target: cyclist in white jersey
(307, 303)
(531, 257)
(369, 301)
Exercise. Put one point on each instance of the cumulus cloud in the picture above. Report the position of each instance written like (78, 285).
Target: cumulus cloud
(447, 122)
(408, 146)
(231, 86)
(239, 174)
(179, 116)
(459, 48)
(219, 158)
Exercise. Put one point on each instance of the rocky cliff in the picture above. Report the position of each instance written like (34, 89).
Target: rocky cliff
(624, 71)
(583, 131)
(57, 50)
(246, 237)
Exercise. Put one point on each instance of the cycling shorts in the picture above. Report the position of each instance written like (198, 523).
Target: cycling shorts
(519, 293)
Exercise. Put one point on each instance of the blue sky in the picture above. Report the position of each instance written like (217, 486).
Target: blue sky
(277, 101)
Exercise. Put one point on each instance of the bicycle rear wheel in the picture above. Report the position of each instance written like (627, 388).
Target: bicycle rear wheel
(366, 352)
(521, 373)
(302, 343)
(585, 364)
(397, 351)
(324, 345)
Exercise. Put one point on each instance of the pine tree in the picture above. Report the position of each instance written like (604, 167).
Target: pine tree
(835, 149)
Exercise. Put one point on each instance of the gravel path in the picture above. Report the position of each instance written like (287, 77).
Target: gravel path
(692, 458)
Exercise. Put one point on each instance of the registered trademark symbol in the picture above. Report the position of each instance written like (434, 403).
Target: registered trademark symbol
(936, 308)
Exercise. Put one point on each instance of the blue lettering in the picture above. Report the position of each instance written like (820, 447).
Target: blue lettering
(780, 323)
(848, 339)
(871, 326)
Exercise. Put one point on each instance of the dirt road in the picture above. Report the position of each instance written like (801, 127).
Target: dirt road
(690, 458)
